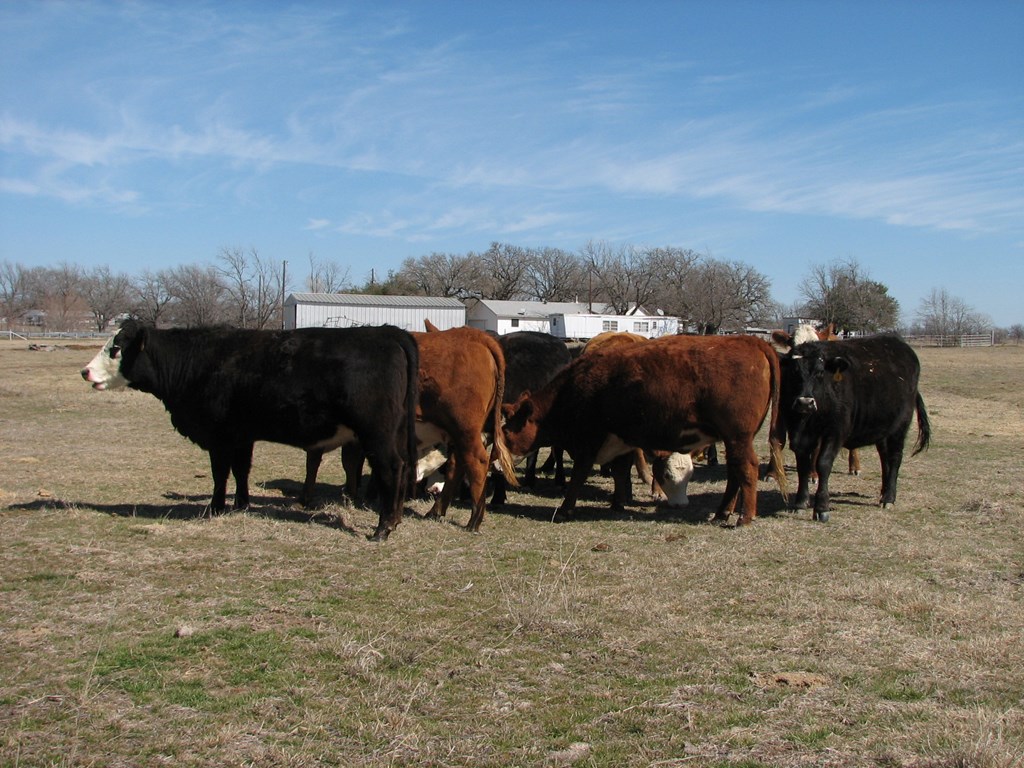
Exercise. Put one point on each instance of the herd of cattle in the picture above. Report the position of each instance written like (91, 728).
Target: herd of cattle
(409, 403)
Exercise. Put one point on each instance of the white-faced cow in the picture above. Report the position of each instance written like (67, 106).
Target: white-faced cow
(850, 394)
(313, 388)
(673, 394)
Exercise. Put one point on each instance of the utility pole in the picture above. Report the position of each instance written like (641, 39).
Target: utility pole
(284, 282)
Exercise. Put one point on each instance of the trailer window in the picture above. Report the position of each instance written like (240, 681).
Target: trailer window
(609, 325)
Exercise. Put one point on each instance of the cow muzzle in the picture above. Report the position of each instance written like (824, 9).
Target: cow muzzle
(805, 405)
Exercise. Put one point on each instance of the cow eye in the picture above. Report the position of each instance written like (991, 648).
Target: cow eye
(115, 351)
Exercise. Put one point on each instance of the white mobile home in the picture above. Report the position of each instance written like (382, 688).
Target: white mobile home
(346, 310)
(587, 326)
(503, 317)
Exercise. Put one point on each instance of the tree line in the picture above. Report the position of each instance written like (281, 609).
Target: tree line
(246, 289)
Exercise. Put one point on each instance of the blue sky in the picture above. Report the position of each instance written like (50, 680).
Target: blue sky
(780, 134)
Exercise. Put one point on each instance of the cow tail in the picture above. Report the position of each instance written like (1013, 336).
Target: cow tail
(776, 421)
(924, 429)
(412, 401)
(501, 452)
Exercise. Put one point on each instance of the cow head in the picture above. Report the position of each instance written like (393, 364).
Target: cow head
(112, 364)
(812, 376)
(784, 342)
(520, 425)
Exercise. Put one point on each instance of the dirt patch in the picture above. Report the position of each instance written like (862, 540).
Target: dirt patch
(804, 680)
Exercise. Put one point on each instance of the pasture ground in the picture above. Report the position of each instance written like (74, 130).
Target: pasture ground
(135, 631)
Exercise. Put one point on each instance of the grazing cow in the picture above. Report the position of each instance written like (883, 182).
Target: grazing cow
(673, 394)
(532, 358)
(850, 394)
(784, 342)
(673, 473)
(314, 388)
(462, 381)
(676, 470)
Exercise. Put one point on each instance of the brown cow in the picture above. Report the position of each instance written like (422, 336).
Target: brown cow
(672, 394)
(462, 382)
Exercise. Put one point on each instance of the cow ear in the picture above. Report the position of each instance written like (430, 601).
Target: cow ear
(782, 341)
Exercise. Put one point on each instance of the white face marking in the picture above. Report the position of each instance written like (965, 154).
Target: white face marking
(428, 434)
(429, 463)
(678, 471)
(104, 370)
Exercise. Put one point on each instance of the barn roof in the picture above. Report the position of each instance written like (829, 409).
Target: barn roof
(368, 300)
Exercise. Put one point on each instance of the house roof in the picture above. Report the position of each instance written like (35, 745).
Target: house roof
(367, 300)
(541, 309)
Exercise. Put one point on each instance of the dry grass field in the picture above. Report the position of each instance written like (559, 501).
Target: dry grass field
(136, 631)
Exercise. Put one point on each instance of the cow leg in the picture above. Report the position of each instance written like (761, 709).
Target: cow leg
(853, 461)
(389, 468)
(890, 452)
(622, 476)
(313, 459)
(220, 468)
(241, 463)
(643, 470)
(500, 495)
(741, 467)
(530, 475)
(476, 474)
(804, 471)
(823, 465)
(581, 466)
(352, 458)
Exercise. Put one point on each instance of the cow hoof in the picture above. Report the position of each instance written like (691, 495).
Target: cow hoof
(821, 517)
(888, 505)
(379, 535)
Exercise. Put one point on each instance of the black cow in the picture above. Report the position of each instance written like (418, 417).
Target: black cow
(851, 394)
(311, 388)
(532, 358)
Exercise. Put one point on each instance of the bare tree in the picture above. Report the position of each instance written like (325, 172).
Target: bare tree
(151, 296)
(440, 274)
(727, 295)
(58, 291)
(503, 273)
(943, 314)
(107, 294)
(198, 294)
(626, 277)
(842, 293)
(679, 270)
(253, 287)
(327, 276)
(15, 291)
(553, 275)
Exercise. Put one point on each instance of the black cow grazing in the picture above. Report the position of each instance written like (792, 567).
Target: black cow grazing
(850, 394)
(532, 358)
(311, 388)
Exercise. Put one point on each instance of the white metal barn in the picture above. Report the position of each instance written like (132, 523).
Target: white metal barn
(346, 310)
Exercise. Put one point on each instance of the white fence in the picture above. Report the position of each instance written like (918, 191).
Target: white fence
(962, 340)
